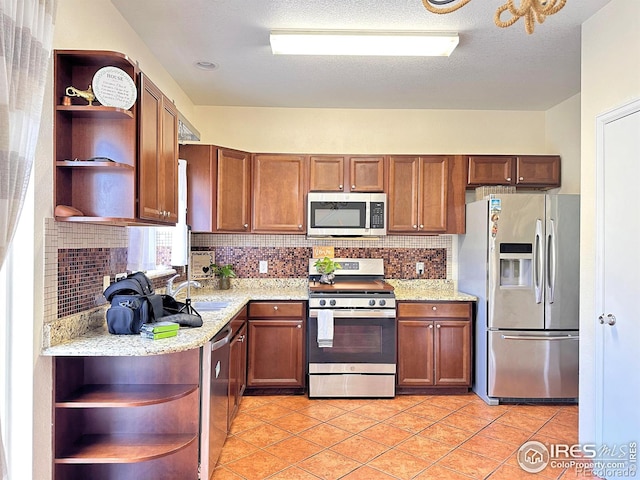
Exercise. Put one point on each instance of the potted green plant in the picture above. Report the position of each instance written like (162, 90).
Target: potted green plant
(326, 267)
(225, 272)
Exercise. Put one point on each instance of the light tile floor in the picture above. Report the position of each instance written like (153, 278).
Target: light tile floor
(443, 437)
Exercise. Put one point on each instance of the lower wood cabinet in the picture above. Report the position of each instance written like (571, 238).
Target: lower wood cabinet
(276, 334)
(434, 345)
(126, 417)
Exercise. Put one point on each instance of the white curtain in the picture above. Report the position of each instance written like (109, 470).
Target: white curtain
(26, 37)
(141, 253)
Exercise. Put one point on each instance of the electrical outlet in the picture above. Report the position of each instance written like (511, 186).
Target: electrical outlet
(419, 268)
(106, 281)
(264, 267)
(120, 276)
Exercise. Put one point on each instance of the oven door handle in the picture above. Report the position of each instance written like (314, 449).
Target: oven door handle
(357, 313)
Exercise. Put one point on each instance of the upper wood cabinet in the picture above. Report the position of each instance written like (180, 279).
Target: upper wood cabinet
(218, 188)
(328, 173)
(533, 171)
(158, 155)
(425, 193)
(95, 149)
(279, 191)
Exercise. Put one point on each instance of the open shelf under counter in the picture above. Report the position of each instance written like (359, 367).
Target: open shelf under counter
(125, 395)
(124, 448)
(91, 164)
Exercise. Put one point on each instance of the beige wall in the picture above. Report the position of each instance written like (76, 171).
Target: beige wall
(610, 78)
(562, 126)
(302, 130)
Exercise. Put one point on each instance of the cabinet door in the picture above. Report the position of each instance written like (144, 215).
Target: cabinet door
(279, 193)
(433, 195)
(238, 372)
(201, 180)
(149, 138)
(541, 171)
(366, 174)
(326, 173)
(402, 194)
(452, 352)
(490, 170)
(415, 353)
(276, 355)
(233, 191)
(158, 156)
(168, 162)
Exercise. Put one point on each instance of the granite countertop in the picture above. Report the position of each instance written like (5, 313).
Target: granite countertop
(99, 342)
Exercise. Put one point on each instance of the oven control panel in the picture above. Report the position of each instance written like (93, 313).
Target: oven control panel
(352, 302)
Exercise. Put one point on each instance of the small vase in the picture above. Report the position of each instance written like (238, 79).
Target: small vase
(225, 283)
(327, 278)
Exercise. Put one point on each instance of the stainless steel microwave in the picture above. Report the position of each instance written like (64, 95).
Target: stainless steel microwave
(346, 214)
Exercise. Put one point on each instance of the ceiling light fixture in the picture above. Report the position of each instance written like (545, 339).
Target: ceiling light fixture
(206, 65)
(351, 42)
(532, 10)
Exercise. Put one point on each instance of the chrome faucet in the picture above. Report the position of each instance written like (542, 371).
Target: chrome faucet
(173, 292)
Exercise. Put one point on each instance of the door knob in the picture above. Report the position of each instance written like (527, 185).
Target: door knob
(609, 319)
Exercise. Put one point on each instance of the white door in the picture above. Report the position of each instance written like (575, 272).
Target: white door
(618, 280)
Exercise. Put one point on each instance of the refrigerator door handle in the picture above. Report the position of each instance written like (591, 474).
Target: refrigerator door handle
(540, 337)
(552, 262)
(538, 262)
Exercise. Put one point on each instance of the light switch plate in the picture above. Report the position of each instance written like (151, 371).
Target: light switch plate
(264, 266)
(106, 281)
(419, 268)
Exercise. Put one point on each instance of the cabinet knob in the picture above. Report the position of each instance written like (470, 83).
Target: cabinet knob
(299, 227)
(508, 179)
(275, 307)
(438, 326)
(434, 308)
(246, 225)
(430, 326)
(521, 178)
(415, 226)
(353, 187)
(298, 326)
(241, 338)
(341, 187)
(421, 226)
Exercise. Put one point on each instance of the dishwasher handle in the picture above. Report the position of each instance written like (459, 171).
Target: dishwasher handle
(218, 344)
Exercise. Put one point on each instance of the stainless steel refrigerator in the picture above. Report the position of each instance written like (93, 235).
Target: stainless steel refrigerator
(521, 257)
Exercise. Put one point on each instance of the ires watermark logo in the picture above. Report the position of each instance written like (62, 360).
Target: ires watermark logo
(588, 460)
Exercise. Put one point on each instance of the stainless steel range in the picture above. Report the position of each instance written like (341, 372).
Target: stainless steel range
(351, 335)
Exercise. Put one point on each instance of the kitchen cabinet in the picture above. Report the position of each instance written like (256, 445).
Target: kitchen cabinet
(158, 155)
(425, 194)
(218, 188)
(328, 173)
(434, 346)
(237, 364)
(276, 355)
(94, 145)
(112, 421)
(279, 191)
(529, 171)
(113, 165)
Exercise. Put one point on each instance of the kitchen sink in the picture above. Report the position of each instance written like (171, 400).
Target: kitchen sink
(207, 306)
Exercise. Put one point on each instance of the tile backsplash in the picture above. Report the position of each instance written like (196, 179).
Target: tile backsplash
(77, 256)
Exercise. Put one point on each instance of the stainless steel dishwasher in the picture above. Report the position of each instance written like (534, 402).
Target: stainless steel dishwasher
(214, 400)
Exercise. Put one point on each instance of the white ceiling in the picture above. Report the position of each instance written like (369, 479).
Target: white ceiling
(492, 68)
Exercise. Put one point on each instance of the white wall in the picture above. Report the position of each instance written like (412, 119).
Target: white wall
(562, 126)
(610, 78)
